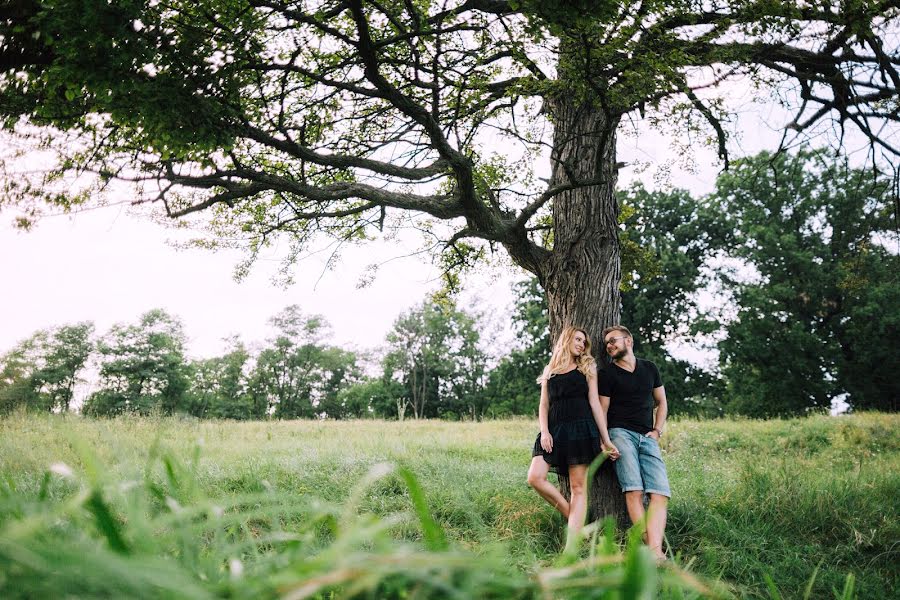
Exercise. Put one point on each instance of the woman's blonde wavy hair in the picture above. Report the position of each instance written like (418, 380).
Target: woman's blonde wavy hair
(559, 359)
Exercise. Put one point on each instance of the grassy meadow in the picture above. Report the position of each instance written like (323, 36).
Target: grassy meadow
(180, 508)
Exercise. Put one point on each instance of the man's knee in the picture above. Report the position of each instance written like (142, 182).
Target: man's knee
(656, 480)
(634, 496)
(658, 499)
(628, 471)
(534, 478)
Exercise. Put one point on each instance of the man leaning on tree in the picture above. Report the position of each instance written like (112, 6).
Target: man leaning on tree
(630, 388)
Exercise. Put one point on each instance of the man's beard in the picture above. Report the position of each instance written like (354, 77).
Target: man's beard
(619, 355)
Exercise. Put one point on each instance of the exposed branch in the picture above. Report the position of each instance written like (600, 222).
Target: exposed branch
(496, 7)
(345, 161)
(475, 211)
(251, 183)
(713, 121)
(536, 204)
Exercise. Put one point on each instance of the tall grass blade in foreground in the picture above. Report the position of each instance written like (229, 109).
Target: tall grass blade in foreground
(95, 536)
(217, 508)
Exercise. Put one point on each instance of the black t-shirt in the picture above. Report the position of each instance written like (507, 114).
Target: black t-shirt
(630, 395)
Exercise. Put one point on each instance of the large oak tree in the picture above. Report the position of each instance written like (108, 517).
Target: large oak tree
(298, 119)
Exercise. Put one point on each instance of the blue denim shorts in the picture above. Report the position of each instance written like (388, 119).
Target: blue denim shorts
(640, 465)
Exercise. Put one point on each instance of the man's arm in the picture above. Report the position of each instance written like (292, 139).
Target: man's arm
(604, 405)
(662, 411)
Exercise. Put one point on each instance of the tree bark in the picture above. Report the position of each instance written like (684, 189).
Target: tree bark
(581, 275)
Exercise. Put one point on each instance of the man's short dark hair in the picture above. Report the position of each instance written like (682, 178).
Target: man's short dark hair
(621, 328)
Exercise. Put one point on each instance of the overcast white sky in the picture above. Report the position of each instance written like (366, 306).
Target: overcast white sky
(109, 266)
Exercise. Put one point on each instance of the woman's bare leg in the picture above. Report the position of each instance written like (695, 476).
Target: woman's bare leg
(537, 478)
(577, 497)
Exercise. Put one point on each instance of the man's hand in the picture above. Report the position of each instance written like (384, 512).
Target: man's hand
(547, 442)
(653, 433)
(610, 449)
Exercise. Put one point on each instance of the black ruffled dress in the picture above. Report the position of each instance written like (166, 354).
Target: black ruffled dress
(576, 439)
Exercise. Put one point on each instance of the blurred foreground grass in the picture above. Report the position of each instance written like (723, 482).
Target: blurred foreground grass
(173, 507)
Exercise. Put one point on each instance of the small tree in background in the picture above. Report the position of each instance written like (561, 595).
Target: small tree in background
(16, 385)
(511, 388)
(433, 352)
(376, 397)
(142, 368)
(338, 370)
(296, 375)
(219, 385)
(41, 372)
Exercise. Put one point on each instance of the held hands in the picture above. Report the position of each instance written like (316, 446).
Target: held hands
(610, 449)
(547, 441)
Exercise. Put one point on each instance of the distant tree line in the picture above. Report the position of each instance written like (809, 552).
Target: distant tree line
(431, 367)
(788, 272)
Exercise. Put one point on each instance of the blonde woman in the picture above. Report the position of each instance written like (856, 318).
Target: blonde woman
(573, 426)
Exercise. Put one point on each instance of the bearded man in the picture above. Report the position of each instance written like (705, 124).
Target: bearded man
(630, 389)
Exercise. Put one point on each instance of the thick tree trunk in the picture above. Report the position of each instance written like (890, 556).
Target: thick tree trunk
(581, 276)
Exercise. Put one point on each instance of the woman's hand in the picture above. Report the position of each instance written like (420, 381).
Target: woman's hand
(610, 449)
(547, 442)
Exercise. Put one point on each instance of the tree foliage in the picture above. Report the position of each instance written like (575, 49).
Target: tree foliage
(16, 388)
(297, 376)
(219, 386)
(818, 314)
(301, 119)
(377, 397)
(511, 386)
(676, 237)
(42, 371)
(433, 353)
(142, 368)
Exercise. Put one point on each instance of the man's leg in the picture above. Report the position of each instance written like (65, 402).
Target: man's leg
(634, 502)
(656, 524)
(537, 478)
(628, 470)
(656, 484)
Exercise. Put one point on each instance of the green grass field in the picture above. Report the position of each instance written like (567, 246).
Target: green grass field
(176, 508)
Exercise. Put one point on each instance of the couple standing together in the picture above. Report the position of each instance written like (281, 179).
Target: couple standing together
(580, 416)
